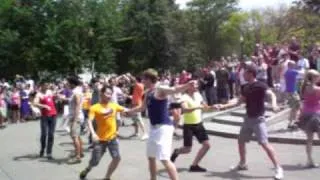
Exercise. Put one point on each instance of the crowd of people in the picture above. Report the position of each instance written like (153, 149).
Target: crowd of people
(284, 74)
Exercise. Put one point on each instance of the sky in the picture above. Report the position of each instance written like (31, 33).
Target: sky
(251, 4)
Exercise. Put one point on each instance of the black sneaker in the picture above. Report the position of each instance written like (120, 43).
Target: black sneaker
(41, 154)
(49, 157)
(197, 168)
(174, 155)
(83, 174)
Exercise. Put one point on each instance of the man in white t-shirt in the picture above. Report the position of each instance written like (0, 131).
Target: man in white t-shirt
(303, 65)
(192, 107)
(76, 118)
(117, 92)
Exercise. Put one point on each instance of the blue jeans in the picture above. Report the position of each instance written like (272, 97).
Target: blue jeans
(47, 125)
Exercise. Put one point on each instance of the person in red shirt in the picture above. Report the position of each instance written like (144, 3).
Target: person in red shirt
(44, 100)
(137, 99)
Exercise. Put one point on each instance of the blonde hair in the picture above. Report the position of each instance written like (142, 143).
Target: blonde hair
(309, 79)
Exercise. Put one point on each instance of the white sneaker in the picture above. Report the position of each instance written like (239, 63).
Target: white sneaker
(279, 174)
(67, 129)
(144, 137)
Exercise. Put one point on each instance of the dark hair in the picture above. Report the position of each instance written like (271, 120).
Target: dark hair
(151, 74)
(74, 80)
(138, 78)
(252, 70)
(33, 94)
(43, 81)
(105, 87)
(94, 80)
(111, 79)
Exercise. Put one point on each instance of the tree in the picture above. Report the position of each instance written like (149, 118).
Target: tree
(210, 16)
(146, 25)
(313, 5)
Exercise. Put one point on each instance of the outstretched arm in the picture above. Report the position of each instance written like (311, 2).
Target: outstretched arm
(273, 100)
(231, 103)
(165, 91)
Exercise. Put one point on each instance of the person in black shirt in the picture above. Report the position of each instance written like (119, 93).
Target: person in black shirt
(253, 95)
(208, 82)
(222, 76)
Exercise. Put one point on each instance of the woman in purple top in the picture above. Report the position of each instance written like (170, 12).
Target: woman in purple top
(25, 106)
(310, 115)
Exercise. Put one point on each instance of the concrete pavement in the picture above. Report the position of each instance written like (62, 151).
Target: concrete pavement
(20, 146)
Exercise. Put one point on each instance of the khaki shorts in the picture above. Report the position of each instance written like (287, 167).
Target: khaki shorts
(293, 100)
(3, 112)
(75, 131)
(137, 117)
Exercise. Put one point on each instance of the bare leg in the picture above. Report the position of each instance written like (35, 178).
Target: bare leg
(184, 150)
(142, 127)
(152, 168)
(309, 147)
(271, 154)
(171, 169)
(77, 146)
(242, 152)
(112, 167)
(202, 152)
(1, 120)
(293, 116)
(81, 146)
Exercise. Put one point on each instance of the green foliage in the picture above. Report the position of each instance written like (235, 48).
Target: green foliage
(66, 36)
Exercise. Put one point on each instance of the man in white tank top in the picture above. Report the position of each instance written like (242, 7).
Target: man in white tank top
(76, 117)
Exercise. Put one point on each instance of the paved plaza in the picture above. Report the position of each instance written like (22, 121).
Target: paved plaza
(20, 146)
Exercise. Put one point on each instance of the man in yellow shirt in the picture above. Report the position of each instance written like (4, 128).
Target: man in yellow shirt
(192, 106)
(104, 113)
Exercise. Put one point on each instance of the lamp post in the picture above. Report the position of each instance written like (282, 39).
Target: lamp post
(241, 45)
(91, 35)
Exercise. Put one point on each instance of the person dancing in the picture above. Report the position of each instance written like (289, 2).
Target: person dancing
(253, 95)
(310, 115)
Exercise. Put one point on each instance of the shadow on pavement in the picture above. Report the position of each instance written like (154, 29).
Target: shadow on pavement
(234, 175)
(291, 167)
(283, 130)
(57, 161)
(66, 144)
(163, 172)
(128, 137)
(26, 157)
(86, 150)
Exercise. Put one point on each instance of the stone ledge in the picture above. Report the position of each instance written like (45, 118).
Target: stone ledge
(228, 131)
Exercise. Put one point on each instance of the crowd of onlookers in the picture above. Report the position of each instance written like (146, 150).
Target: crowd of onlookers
(219, 81)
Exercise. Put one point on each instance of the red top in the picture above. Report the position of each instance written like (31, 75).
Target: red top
(48, 100)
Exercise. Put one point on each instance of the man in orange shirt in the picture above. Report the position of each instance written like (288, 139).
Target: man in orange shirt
(137, 99)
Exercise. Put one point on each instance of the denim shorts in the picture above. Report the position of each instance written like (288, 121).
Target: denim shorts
(99, 148)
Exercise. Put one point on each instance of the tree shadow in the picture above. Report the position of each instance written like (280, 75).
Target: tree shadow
(235, 175)
(29, 157)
